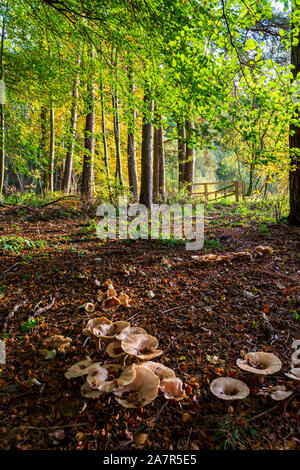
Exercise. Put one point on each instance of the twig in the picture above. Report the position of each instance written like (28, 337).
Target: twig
(59, 199)
(264, 412)
(44, 309)
(9, 269)
(11, 314)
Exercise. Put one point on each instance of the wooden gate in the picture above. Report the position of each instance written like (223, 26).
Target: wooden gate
(229, 188)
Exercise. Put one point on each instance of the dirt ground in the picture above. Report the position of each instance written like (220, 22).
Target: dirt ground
(203, 316)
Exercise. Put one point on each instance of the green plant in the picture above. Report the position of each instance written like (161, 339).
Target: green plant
(31, 323)
(16, 244)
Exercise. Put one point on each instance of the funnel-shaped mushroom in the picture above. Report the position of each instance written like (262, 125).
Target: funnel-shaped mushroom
(261, 363)
(142, 346)
(294, 373)
(131, 330)
(124, 299)
(172, 389)
(89, 307)
(115, 350)
(263, 250)
(114, 330)
(142, 391)
(58, 342)
(110, 304)
(118, 377)
(78, 369)
(227, 388)
(97, 327)
(160, 370)
(89, 392)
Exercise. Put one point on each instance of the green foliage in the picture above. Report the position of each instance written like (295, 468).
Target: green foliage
(31, 323)
(16, 244)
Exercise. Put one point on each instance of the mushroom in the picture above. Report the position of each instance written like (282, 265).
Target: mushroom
(279, 395)
(78, 369)
(142, 391)
(115, 350)
(110, 304)
(96, 376)
(124, 299)
(277, 392)
(121, 377)
(227, 388)
(143, 346)
(58, 342)
(296, 354)
(260, 363)
(294, 373)
(89, 307)
(172, 388)
(241, 255)
(162, 372)
(263, 250)
(89, 392)
(114, 329)
(97, 327)
(130, 330)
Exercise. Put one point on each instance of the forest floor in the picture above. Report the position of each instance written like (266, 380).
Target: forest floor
(202, 315)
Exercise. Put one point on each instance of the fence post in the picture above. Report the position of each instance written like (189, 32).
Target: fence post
(206, 192)
(243, 190)
(236, 185)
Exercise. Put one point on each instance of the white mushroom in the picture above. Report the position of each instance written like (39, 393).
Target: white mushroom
(142, 346)
(78, 369)
(115, 350)
(130, 330)
(61, 343)
(97, 327)
(260, 363)
(110, 304)
(172, 388)
(294, 373)
(89, 307)
(227, 388)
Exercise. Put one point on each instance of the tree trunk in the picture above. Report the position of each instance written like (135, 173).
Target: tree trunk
(158, 162)
(51, 150)
(146, 170)
(2, 114)
(181, 151)
(103, 124)
(294, 146)
(72, 132)
(190, 157)
(115, 104)
(251, 175)
(131, 142)
(89, 139)
(44, 110)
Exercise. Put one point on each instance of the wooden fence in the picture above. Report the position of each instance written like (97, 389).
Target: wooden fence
(229, 188)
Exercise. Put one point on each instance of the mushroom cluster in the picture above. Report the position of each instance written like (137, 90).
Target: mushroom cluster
(109, 299)
(134, 385)
(259, 251)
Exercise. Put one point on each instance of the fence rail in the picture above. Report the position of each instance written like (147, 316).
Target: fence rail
(233, 188)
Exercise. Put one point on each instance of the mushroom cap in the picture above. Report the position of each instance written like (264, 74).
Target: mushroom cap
(97, 327)
(115, 350)
(241, 255)
(114, 329)
(89, 307)
(130, 330)
(110, 304)
(279, 395)
(96, 376)
(263, 250)
(124, 299)
(294, 373)
(78, 369)
(144, 389)
(122, 377)
(269, 362)
(227, 388)
(172, 388)
(142, 346)
(58, 342)
(89, 392)
(160, 370)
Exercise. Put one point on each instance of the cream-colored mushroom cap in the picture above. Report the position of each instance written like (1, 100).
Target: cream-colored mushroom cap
(142, 346)
(121, 377)
(58, 342)
(172, 389)
(89, 392)
(279, 395)
(227, 388)
(96, 376)
(294, 373)
(261, 363)
(114, 329)
(160, 370)
(89, 307)
(97, 327)
(115, 350)
(130, 330)
(124, 299)
(78, 369)
(142, 391)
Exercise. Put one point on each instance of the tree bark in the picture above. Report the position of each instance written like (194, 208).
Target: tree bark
(44, 110)
(190, 157)
(2, 113)
(131, 141)
(158, 162)
(294, 147)
(115, 105)
(104, 140)
(51, 149)
(72, 132)
(181, 152)
(146, 170)
(89, 138)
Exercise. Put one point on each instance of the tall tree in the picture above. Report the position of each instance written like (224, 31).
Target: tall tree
(147, 150)
(89, 136)
(190, 156)
(51, 149)
(181, 150)
(131, 140)
(115, 105)
(2, 103)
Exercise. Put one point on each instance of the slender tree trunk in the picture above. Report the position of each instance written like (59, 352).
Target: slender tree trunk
(115, 104)
(147, 136)
(294, 145)
(131, 142)
(89, 139)
(67, 176)
(51, 149)
(2, 113)
(181, 151)
(158, 162)
(103, 123)
(44, 112)
(190, 157)
(251, 175)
